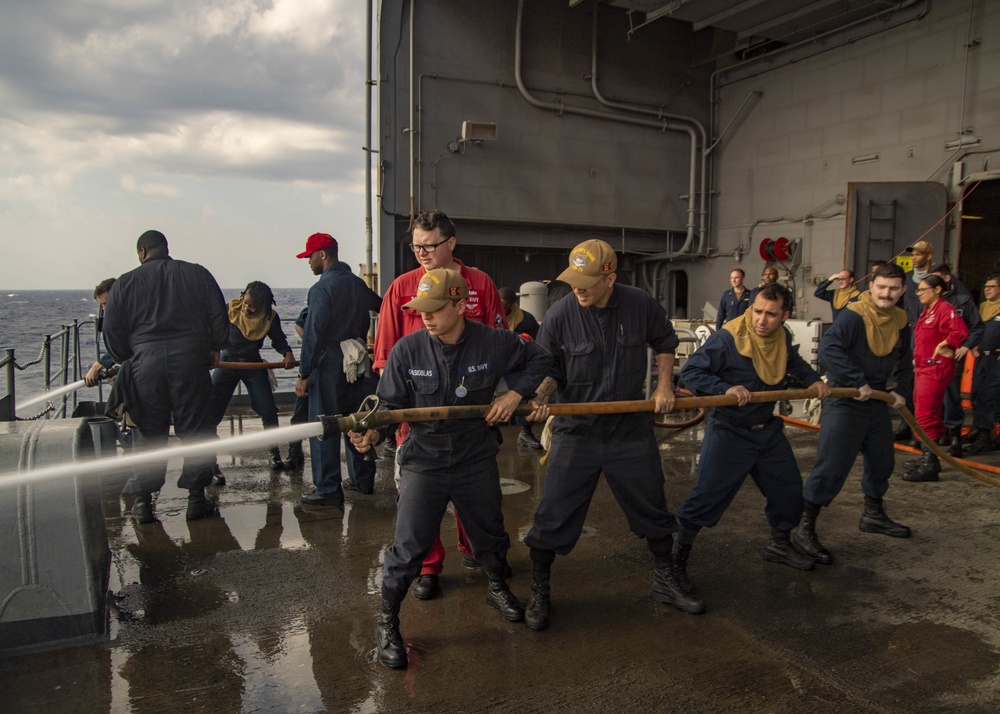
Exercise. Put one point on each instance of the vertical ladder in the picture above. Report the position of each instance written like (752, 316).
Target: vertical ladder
(880, 243)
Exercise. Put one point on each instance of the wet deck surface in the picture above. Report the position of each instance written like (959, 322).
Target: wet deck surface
(271, 608)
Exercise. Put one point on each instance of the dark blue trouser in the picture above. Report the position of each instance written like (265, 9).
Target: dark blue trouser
(329, 394)
(258, 386)
(954, 415)
(849, 427)
(300, 413)
(728, 455)
(359, 470)
(986, 391)
(631, 464)
(172, 383)
(423, 498)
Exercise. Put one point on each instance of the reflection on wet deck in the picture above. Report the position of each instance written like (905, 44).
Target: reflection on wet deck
(271, 607)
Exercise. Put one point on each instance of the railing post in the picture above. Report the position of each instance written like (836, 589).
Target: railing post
(97, 352)
(64, 365)
(7, 409)
(76, 358)
(47, 368)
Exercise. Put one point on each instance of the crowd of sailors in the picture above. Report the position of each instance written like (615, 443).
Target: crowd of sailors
(446, 336)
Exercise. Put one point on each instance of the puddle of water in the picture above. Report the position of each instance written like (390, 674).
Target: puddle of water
(278, 671)
(509, 486)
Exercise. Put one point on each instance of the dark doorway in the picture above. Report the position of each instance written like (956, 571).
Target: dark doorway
(979, 254)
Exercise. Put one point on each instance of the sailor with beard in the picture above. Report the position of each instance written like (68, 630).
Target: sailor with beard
(868, 345)
(750, 354)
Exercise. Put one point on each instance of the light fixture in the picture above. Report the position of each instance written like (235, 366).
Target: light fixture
(478, 131)
(864, 159)
(473, 132)
(961, 142)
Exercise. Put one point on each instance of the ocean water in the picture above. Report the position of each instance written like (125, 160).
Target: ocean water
(27, 316)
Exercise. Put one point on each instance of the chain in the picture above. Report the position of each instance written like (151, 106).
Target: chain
(41, 354)
(48, 409)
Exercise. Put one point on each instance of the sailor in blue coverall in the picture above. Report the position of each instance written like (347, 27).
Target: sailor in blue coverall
(849, 426)
(339, 305)
(752, 354)
(599, 337)
(986, 376)
(452, 361)
(251, 312)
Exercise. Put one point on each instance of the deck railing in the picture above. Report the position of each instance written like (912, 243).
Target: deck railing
(62, 363)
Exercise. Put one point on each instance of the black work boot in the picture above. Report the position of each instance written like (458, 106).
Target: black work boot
(981, 442)
(679, 557)
(426, 587)
(926, 468)
(875, 520)
(528, 439)
(276, 463)
(806, 539)
(388, 641)
(536, 615)
(142, 508)
(500, 597)
(779, 550)
(679, 554)
(903, 433)
(217, 478)
(665, 587)
(296, 457)
(956, 443)
(199, 505)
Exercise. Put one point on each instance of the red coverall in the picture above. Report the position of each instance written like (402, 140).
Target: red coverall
(483, 305)
(933, 373)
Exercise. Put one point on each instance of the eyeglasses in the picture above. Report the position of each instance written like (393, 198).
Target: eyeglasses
(994, 287)
(427, 247)
(923, 290)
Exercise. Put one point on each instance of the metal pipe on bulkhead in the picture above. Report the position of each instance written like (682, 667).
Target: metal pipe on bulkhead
(410, 128)
(369, 84)
(562, 108)
(702, 197)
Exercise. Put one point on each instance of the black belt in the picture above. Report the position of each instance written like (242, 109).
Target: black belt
(987, 353)
(743, 423)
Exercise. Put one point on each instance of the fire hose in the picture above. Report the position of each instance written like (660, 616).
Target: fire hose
(255, 365)
(375, 418)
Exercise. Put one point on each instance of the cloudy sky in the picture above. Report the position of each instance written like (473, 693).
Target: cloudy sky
(233, 126)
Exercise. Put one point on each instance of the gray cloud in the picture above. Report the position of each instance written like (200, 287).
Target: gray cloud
(134, 69)
(174, 109)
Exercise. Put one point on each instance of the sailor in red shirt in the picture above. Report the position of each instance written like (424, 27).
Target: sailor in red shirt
(937, 334)
(433, 244)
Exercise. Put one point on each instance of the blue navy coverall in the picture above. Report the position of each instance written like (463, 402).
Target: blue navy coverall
(986, 378)
(454, 459)
(731, 307)
(300, 413)
(600, 355)
(824, 293)
(965, 306)
(339, 305)
(848, 426)
(910, 302)
(742, 441)
(224, 381)
(167, 316)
